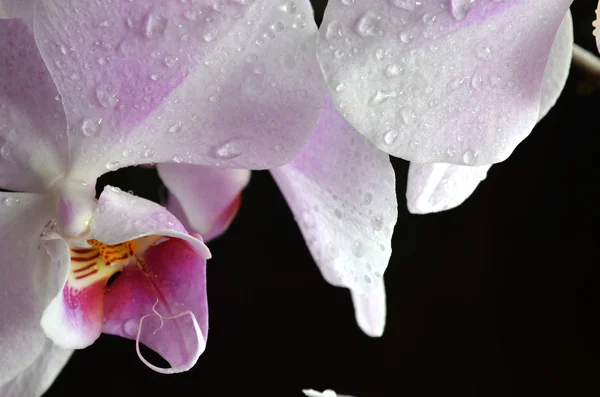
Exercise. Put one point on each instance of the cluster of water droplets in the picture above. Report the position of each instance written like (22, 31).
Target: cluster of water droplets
(123, 78)
(400, 74)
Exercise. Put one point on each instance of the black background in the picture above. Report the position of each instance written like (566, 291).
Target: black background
(495, 298)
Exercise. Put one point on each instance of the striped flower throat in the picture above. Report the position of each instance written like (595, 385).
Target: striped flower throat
(98, 261)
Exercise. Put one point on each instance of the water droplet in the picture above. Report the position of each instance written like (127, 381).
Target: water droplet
(408, 115)
(337, 213)
(408, 5)
(155, 26)
(382, 96)
(468, 157)
(171, 61)
(230, 149)
(130, 327)
(393, 70)
(106, 97)
(289, 7)
(175, 128)
(127, 152)
(10, 201)
(177, 159)
(340, 87)
(377, 222)
(149, 153)
(428, 19)
(369, 25)
(347, 2)
(460, 8)
(91, 127)
(358, 249)
(477, 81)
(484, 52)
(112, 165)
(210, 36)
(390, 137)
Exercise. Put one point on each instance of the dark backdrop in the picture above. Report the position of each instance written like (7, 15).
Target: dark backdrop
(495, 298)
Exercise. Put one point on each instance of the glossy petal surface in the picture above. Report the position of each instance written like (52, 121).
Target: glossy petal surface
(438, 187)
(437, 81)
(342, 193)
(37, 378)
(206, 198)
(166, 81)
(25, 284)
(32, 121)
(370, 309)
(171, 282)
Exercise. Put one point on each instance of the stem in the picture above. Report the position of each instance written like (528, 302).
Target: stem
(589, 64)
(586, 61)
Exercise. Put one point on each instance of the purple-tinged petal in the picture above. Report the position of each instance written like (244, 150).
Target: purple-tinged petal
(342, 193)
(37, 378)
(172, 284)
(234, 84)
(205, 198)
(32, 121)
(440, 186)
(26, 282)
(370, 309)
(428, 83)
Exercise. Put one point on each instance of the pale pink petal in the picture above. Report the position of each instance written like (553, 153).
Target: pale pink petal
(370, 309)
(233, 84)
(32, 121)
(434, 81)
(121, 216)
(18, 9)
(25, 282)
(325, 393)
(440, 186)
(172, 283)
(206, 198)
(37, 378)
(342, 193)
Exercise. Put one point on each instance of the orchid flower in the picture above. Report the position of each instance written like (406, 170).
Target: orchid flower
(341, 191)
(89, 87)
(451, 85)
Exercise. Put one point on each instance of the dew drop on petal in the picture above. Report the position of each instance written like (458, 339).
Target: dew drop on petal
(230, 149)
(91, 127)
(10, 201)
